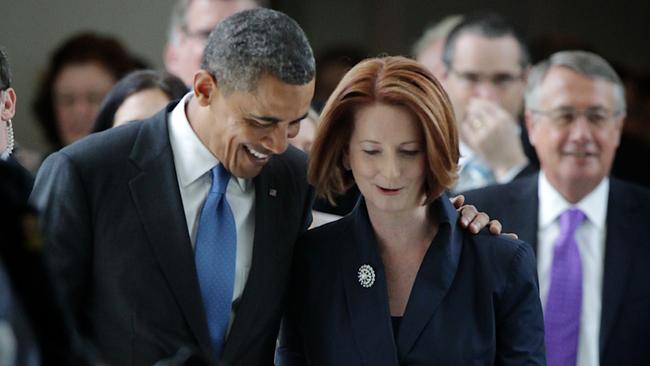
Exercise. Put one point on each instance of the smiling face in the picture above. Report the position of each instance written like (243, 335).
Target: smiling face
(244, 129)
(577, 155)
(387, 158)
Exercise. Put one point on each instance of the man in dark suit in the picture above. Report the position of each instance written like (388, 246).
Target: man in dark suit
(7, 113)
(121, 210)
(590, 232)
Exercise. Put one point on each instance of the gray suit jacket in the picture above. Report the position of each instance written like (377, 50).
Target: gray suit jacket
(625, 319)
(118, 243)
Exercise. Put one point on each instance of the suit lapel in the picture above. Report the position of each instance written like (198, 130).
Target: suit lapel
(524, 202)
(368, 307)
(434, 277)
(619, 246)
(157, 199)
(268, 245)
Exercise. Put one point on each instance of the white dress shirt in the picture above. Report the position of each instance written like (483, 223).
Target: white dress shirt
(590, 237)
(193, 162)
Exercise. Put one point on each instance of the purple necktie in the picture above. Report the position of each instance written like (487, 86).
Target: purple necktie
(564, 302)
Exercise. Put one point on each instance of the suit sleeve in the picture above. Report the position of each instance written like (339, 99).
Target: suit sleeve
(520, 328)
(290, 351)
(65, 218)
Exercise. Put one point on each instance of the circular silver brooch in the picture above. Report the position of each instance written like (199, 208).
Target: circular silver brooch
(366, 276)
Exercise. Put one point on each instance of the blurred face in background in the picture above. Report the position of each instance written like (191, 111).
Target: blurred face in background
(184, 54)
(575, 128)
(78, 91)
(305, 137)
(488, 69)
(140, 105)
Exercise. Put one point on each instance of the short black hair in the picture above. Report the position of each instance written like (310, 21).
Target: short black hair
(490, 25)
(254, 42)
(5, 72)
(132, 83)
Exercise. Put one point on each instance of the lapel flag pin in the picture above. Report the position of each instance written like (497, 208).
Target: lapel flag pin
(366, 276)
(273, 192)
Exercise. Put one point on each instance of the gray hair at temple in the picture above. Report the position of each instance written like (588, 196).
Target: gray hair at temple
(5, 72)
(254, 42)
(582, 62)
(177, 20)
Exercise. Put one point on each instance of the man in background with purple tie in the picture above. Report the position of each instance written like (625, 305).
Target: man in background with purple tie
(591, 233)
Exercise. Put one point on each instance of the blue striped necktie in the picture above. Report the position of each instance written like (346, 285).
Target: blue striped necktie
(215, 257)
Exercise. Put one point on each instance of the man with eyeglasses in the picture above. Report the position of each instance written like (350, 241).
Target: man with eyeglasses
(590, 231)
(189, 28)
(486, 63)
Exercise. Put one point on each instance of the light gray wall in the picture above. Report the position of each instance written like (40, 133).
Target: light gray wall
(31, 29)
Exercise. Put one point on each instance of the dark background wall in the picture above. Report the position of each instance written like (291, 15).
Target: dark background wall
(619, 30)
(30, 29)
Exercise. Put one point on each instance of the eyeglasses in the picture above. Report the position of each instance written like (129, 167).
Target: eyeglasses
(201, 35)
(501, 80)
(597, 117)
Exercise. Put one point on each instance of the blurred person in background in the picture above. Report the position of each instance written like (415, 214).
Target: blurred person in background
(305, 137)
(427, 50)
(589, 231)
(190, 25)
(7, 113)
(486, 64)
(139, 95)
(33, 327)
(79, 75)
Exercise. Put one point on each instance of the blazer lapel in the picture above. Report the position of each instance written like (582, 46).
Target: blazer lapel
(619, 250)
(157, 199)
(434, 277)
(368, 307)
(269, 249)
(524, 203)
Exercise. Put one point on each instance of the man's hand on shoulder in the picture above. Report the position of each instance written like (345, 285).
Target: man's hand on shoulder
(473, 220)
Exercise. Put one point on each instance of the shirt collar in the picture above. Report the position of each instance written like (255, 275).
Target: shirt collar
(552, 204)
(466, 154)
(191, 157)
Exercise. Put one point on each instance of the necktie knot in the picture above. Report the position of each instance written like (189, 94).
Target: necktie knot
(570, 220)
(220, 178)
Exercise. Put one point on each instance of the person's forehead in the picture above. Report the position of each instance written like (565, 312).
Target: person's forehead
(564, 87)
(477, 53)
(206, 14)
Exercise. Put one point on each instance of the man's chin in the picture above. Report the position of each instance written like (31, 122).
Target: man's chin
(247, 172)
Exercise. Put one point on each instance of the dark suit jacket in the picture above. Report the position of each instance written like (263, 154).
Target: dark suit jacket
(625, 319)
(474, 301)
(118, 242)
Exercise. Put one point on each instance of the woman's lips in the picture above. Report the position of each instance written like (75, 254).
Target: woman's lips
(389, 191)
